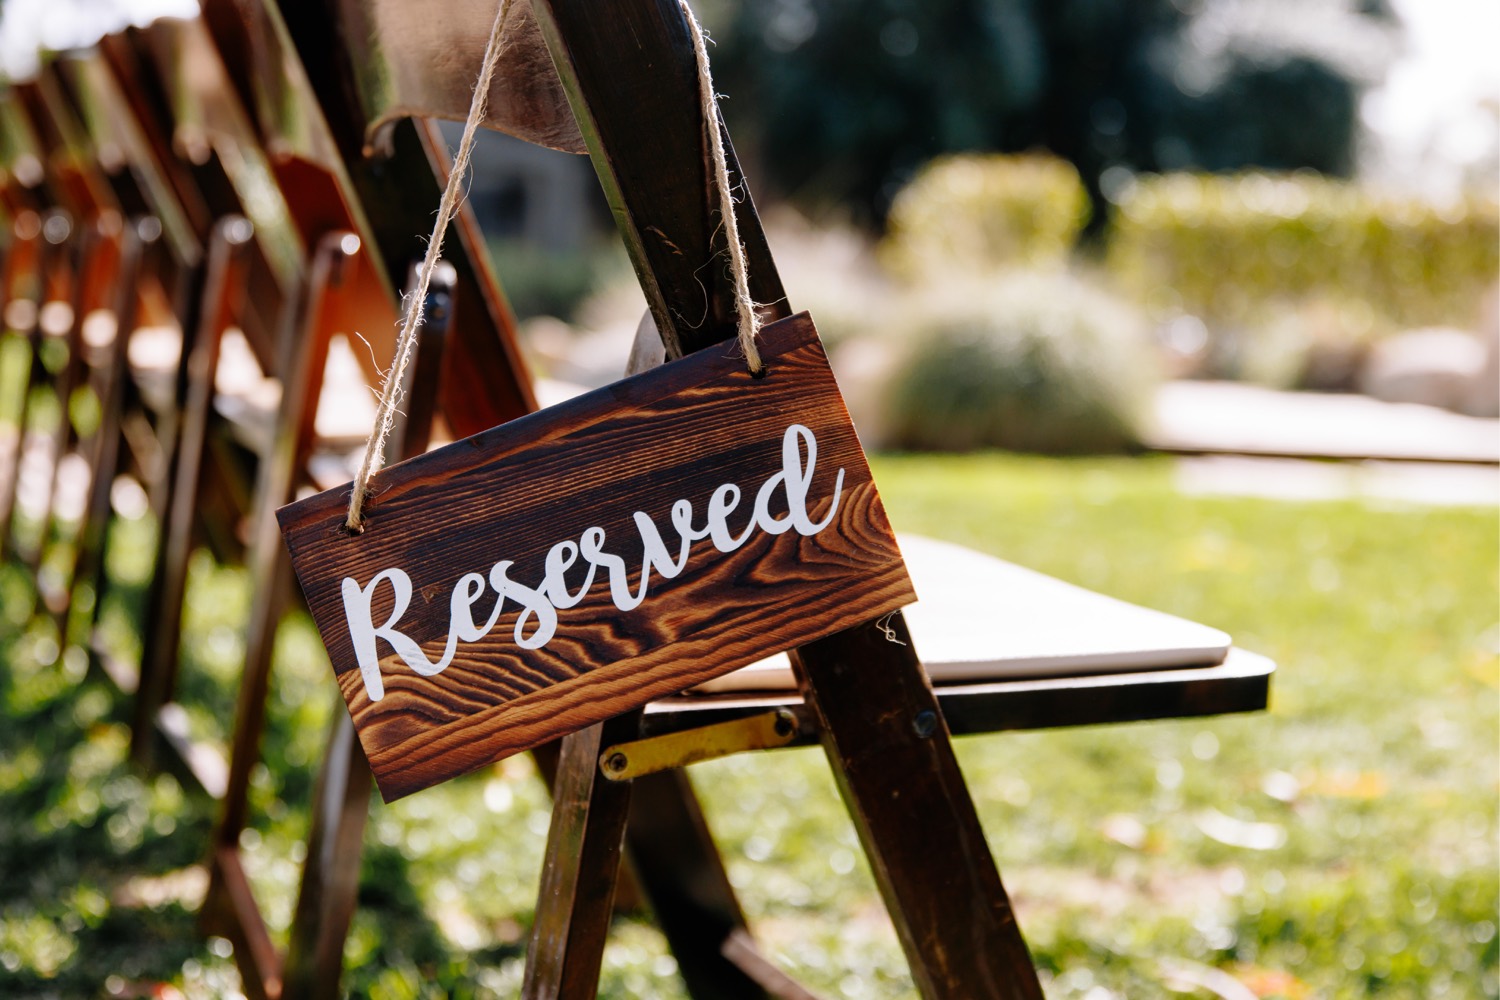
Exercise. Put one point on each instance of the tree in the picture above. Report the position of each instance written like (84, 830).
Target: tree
(842, 100)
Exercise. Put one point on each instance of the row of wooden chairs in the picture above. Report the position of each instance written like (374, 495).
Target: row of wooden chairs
(156, 211)
(251, 177)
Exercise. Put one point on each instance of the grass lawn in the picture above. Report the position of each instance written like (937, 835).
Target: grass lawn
(1343, 845)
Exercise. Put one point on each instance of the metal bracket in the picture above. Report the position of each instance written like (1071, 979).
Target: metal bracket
(764, 731)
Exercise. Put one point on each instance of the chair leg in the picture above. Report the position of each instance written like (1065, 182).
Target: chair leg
(98, 269)
(102, 447)
(584, 846)
(60, 281)
(223, 289)
(230, 911)
(341, 797)
(893, 759)
(330, 880)
(49, 277)
(16, 267)
(269, 568)
(36, 375)
(131, 446)
(673, 854)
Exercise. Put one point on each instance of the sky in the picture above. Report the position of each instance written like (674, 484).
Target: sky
(1430, 116)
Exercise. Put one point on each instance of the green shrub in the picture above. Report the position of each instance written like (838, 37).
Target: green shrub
(1035, 362)
(981, 212)
(1235, 250)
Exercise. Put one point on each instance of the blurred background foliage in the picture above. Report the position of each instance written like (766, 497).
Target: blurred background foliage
(1039, 362)
(1026, 215)
(843, 101)
(1227, 246)
(1200, 165)
(987, 212)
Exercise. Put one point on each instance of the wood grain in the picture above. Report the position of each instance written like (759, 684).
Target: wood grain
(632, 72)
(512, 492)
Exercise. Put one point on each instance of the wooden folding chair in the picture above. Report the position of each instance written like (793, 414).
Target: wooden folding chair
(881, 724)
(327, 206)
(108, 138)
(112, 205)
(132, 437)
(312, 29)
(36, 189)
(863, 696)
(22, 277)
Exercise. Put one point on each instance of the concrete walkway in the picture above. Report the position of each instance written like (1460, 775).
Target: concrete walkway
(1247, 441)
(1428, 484)
(1227, 418)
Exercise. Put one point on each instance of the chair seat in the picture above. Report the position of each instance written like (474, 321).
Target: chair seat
(1241, 683)
(249, 401)
(153, 353)
(979, 618)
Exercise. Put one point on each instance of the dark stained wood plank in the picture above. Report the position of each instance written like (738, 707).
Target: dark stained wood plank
(128, 80)
(398, 187)
(223, 290)
(111, 122)
(631, 75)
(53, 273)
(674, 856)
(959, 933)
(104, 459)
(330, 879)
(258, 59)
(276, 481)
(202, 184)
(575, 899)
(518, 492)
(741, 950)
(77, 180)
(341, 797)
(1240, 684)
(98, 273)
(231, 913)
(889, 748)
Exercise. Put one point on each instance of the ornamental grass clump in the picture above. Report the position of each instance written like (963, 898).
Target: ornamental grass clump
(1031, 362)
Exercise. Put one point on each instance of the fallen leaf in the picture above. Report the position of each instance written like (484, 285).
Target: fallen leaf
(186, 886)
(1184, 977)
(1124, 829)
(1273, 983)
(1239, 832)
(1350, 784)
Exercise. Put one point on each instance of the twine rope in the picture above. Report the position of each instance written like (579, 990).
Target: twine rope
(739, 269)
(390, 390)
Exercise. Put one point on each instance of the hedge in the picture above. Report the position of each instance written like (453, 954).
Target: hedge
(1233, 249)
(983, 212)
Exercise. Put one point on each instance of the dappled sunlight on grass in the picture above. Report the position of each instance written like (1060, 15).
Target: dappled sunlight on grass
(1377, 764)
(1342, 845)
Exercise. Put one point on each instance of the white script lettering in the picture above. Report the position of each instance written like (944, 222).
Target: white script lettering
(539, 605)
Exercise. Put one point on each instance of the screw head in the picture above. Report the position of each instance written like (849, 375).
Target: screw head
(616, 762)
(785, 723)
(925, 723)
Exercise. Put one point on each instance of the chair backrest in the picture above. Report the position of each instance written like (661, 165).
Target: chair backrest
(126, 155)
(485, 378)
(188, 115)
(403, 62)
(26, 182)
(77, 176)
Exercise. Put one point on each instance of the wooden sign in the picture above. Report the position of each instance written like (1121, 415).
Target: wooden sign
(579, 562)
